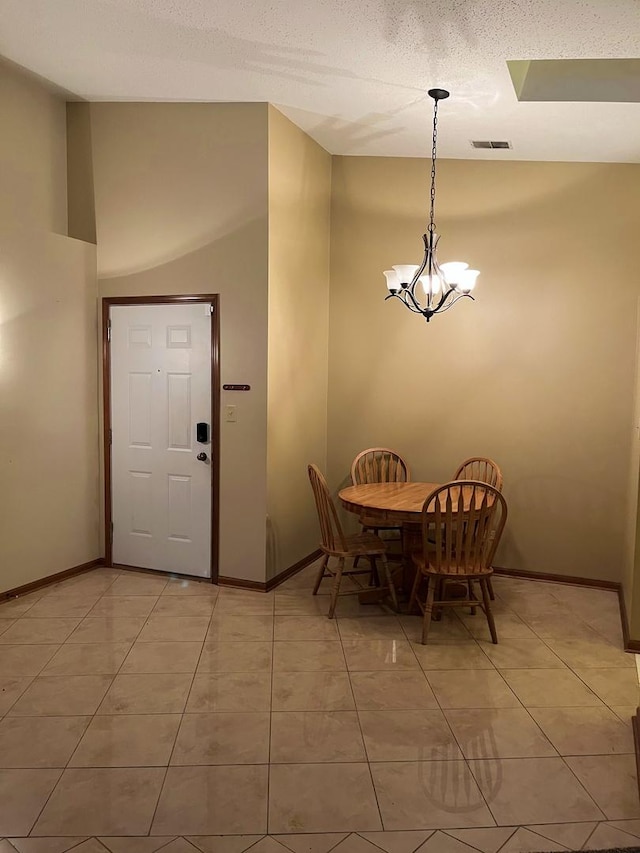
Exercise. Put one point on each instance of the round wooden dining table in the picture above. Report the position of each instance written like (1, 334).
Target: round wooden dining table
(392, 505)
(397, 505)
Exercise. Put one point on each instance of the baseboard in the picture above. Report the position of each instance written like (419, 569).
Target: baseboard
(635, 725)
(51, 579)
(240, 583)
(549, 578)
(630, 645)
(272, 583)
(285, 574)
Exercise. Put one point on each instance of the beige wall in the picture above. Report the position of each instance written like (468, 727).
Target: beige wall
(33, 193)
(538, 373)
(181, 208)
(632, 543)
(48, 372)
(48, 412)
(631, 578)
(299, 209)
(81, 202)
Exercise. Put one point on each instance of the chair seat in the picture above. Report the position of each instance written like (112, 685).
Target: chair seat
(428, 569)
(365, 543)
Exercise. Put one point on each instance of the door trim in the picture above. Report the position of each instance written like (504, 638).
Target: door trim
(214, 299)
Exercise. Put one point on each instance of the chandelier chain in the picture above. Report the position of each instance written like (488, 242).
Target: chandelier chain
(432, 224)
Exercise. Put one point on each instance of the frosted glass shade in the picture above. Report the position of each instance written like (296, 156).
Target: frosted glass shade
(393, 282)
(452, 271)
(406, 272)
(467, 280)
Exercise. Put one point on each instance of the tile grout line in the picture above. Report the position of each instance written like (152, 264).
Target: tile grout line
(517, 829)
(15, 702)
(586, 841)
(55, 787)
(78, 843)
(273, 635)
(514, 829)
(430, 834)
(257, 841)
(38, 675)
(114, 676)
(113, 679)
(182, 716)
(364, 744)
(157, 849)
(470, 770)
(579, 781)
(466, 762)
(608, 822)
(578, 676)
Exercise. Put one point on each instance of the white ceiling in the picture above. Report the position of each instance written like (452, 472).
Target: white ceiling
(352, 73)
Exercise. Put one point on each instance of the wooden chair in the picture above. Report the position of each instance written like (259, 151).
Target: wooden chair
(335, 544)
(379, 465)
(458, 545)
(480, 468)
(486, 471)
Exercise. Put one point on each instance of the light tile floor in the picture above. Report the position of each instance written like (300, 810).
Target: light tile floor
(139, 713)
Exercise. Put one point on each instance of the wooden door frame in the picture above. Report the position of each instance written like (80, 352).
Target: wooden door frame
(107, 303)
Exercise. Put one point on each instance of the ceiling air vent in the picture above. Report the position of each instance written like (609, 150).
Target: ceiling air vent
(490, 143)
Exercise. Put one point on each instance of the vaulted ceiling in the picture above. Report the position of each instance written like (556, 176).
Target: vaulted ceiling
(352, 73)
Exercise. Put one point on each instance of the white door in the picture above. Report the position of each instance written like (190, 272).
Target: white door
(160, 391)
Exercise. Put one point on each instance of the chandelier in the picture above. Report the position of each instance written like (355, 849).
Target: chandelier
(442, 284)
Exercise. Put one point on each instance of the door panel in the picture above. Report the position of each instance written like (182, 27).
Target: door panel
(179, 410)
(140, 392)
(160, 390)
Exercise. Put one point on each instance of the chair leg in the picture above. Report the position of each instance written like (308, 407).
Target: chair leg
(363, 529)
(492, 594)
(439, 590)
(392, 589)
(428, 608)
(414, 590)
(374, 577)
(321, 571)
(470, 588)
(336, 588)
(484, 586)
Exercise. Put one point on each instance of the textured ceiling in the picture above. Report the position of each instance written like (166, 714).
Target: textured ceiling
(352, 73)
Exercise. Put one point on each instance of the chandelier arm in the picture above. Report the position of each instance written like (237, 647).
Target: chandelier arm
(425, 259)
(399, 296)
(443, 299)
(409, 292)
(453, 302)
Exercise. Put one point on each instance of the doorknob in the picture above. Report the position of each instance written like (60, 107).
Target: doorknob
(202, 457)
